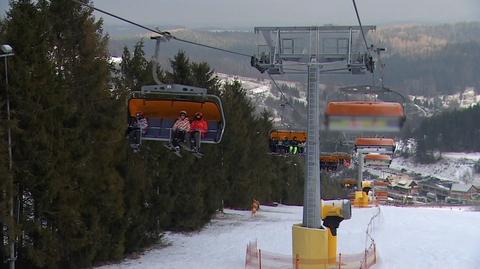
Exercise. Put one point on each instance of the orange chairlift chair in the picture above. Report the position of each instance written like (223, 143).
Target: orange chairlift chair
(277, 138)
(162, 103)
(377, 160)
(331, 161)
(367, 145)
(364, 116)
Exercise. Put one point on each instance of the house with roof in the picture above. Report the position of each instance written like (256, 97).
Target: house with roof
(403, 183)
(463, 191)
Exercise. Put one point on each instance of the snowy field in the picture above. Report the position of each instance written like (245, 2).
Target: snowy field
(453, 166)
(405, 237)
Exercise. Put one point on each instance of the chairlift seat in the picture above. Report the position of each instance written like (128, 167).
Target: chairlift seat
(364, 116)
(375, 145)
(377, 160)
(162, 109)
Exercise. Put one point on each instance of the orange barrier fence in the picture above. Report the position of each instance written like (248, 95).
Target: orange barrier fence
(260, 259)
(381, 196)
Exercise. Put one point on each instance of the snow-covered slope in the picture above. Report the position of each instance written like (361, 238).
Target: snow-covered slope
(457, 167)
(259, 90)
(405, 237)
(464, 99)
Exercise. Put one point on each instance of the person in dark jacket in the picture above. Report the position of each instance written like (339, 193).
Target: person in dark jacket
(138, 126)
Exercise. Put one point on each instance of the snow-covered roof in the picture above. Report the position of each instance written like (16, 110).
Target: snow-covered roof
(460, 187)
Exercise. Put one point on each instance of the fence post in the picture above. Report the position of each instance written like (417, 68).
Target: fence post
(259, 259)
(339, 260)
(247, 255)
(374, 253)
(365, 260)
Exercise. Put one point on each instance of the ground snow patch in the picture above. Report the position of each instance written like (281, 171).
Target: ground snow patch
(405, 237)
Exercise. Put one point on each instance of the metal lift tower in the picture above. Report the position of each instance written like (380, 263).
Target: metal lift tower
(313, 50)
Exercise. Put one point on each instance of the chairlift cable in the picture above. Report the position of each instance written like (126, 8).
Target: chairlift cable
(360, 24)
(284, 96)
(162, 33)
(281, 92)
(122, 19)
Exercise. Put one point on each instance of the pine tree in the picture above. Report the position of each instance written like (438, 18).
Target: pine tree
(66, 137)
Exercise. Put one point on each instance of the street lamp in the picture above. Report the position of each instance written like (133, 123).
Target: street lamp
(7, 51)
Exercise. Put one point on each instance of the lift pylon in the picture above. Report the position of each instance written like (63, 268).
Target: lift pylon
(312, 50)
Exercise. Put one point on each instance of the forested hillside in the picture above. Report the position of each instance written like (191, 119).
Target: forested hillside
(457, 131)
(420, 60)
(80, 195)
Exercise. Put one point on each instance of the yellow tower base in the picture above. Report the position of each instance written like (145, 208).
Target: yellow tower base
(361, 199)
(332, 248)
(311, 246)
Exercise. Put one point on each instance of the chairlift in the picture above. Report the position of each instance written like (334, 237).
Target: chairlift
(377, 160)
(364, 116)
(287, 142)
(367, 145)
(162, 103)
(332, 161)
(162, 108)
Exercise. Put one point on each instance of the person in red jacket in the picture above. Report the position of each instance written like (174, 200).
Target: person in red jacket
(198, 129)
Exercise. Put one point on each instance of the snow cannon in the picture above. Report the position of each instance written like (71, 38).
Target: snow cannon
(334, 212)
(366, 186)
(361, 197)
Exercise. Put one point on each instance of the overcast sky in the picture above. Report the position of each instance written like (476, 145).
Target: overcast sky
(230, 13)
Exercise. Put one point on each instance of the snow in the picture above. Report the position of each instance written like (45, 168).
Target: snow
(259, 90)
(462, 99)
(457, 167)
(405, 237)
(461, 155)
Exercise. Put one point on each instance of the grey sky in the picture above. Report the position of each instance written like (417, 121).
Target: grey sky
(228, 13)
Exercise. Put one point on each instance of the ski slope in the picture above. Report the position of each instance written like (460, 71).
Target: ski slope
(405, 237)
(457, 167)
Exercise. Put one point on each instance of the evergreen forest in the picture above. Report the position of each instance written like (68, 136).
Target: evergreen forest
(80, 196)
(456, 130)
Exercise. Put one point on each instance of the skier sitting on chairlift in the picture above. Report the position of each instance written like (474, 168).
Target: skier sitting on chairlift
(284, 145)
(138, 126)
(198, 130)
(180, 131)
(293, 147)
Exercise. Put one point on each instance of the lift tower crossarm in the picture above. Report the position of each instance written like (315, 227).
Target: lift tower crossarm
(313, 28)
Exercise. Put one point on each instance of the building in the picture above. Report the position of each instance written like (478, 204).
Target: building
(463, 191)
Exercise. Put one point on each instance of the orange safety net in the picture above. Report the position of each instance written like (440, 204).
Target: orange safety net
(381, 196)
(260, 259)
